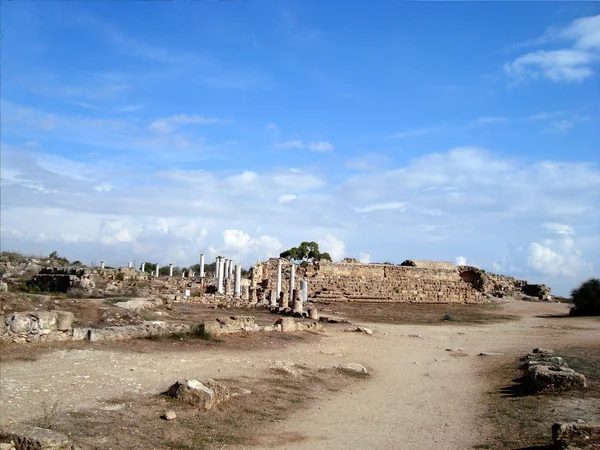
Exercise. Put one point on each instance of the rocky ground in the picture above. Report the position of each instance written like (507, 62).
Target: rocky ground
(427, 388)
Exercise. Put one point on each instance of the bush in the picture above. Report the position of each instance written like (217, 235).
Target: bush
(586, 299)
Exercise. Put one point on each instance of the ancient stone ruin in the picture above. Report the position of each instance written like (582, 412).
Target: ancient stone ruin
(279, 283)
(412, 281)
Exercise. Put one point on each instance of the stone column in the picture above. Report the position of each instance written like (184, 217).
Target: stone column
(304, 290)
(157, 269)
(278, 283)
(201, 265)
(292, 272)
(171, 269)
(231, 267)
(143, 268)
(227, 265)
(129, 265)
(182, 274)
(237, 287)
(102, 264)
(221, 271)
(273, 299)
(298, 305)
(217, 267)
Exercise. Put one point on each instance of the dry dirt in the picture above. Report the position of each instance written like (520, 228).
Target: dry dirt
(419, 396)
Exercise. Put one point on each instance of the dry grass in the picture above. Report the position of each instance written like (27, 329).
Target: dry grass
(418, 314)
(523, 421)
(135, 422)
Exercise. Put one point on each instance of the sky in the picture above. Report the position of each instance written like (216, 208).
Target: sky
(384, 131)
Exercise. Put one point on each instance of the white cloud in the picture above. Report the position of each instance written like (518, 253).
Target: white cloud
(487, 120)
(287, 198)
(317, 146)
(321, 146)
(566, 64)
(559, 256)
(170, 124)
(364, 258)
(272, 129)
(559, 228)
(559, 126)
(290, 144)
(391, 206)
(334, 246)
(460, 261)
(417, 132)
(240, 246)
(104, 187)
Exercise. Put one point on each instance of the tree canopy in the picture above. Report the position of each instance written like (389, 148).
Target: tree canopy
(586, 298)
(305, 252)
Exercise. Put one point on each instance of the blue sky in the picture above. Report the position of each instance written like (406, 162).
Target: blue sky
(383, 130)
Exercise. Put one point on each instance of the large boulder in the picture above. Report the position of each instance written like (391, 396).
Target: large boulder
(204, 394)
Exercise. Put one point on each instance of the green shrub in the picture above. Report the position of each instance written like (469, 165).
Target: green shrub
(586, 298)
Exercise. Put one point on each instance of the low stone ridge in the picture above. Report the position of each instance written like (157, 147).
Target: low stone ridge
(41, 326)
(546, 372)
(576, 436)
(232, 324)
(26, 437)
(205, 394)
(238, 324)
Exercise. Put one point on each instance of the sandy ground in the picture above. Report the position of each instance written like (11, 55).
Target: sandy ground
(421, 396)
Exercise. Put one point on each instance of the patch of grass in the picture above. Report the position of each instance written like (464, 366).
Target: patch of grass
(524, 421)
(420, 314)
(244, 420)
(50, 415)
(447, 316)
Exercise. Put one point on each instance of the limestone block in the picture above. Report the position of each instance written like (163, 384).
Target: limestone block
(544, 378)
(204, 394)
(64, 320)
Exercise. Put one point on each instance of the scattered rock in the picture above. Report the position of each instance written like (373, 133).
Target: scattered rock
(576, 436)
(32, 438)
(285, 367)
(205, 394)
(361, 330)
(332, 320)
(490, 354)
(418, 336)
(348, 367)
(169, 415)
(240, 392)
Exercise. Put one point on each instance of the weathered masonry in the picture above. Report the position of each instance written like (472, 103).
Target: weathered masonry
(411, 281)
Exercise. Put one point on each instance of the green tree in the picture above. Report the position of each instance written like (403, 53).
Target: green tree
(149, 267)
(305, 252)
(586, 298)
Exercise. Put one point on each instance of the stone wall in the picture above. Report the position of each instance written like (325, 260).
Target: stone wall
(412, 281)
(351, 281)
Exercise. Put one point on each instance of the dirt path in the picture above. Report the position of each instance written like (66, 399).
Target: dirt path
(421, 396)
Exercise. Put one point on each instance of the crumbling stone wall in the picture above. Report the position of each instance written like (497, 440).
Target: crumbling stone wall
(502, 285)
(412, 281)
(354, 281)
